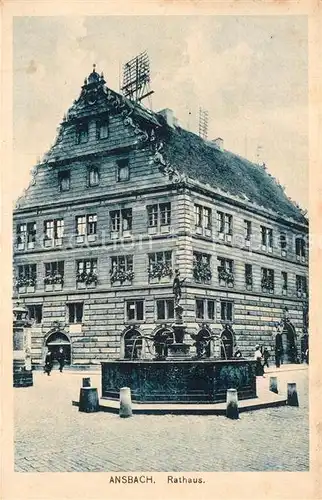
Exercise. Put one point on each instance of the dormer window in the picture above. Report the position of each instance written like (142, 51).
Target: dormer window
(93, 176)
(64, 180)
(101, 129)
(82, 133)
(123, 170)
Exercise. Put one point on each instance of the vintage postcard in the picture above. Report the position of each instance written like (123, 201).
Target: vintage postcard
(161, 240)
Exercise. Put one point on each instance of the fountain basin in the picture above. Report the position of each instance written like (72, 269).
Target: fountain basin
(179, 381)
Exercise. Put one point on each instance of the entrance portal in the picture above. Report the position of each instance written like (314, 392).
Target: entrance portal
(132, 344)
(289, 343)
(59, 340)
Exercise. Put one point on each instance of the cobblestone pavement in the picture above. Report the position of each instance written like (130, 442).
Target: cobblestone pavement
(51, 435)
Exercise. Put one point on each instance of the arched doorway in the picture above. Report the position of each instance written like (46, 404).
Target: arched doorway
(57, 340)
(161, 339)
(227, 343)
(132, 344)
(289, 343)
(202, 342)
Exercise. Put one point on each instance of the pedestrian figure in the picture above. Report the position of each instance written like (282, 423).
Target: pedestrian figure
(48, 363)
(279, 351)
(259, 362)
(61, 359)
(266, 356)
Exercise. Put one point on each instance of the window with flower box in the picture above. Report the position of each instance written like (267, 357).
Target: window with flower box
(159, 218)
(135, 310)
(86, 273)
(53, 232)
(93, 176)
(123, 170)
(121, 223)
(249, 276)
(300, 249)
(27, 278)
(201, 267)
(226, 272)
(86, 228)
(26, 235)
(160, 268)
(82, 133)
(64, 180)
(122, 270)
(283, 244)
(301, 286)
(284, 282)
(102, 129)
(267, 239)
(54, 276)
(35, 313)
(165, 309)
(205, 309)
(226, 310)
(247, 232)
(75, 312)
(224, 226)
(202, 220)
(267, 280)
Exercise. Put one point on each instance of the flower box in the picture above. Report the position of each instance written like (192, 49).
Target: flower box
(162, 280)
(81, 285)
(249, 287)
(228, 238)
(198, 229)
(118, 283)
(58, 242)
(127, 233)
(152, 230)
(80, 238)
(303, 259)
(115, 235)
(247, 243)
(58, 286)
(91, 285)
(30, 245)
(48, 243)
(22, 289)
(91, 237)
(49, 287)
(270, 249)
(221, 236)
(208, 232)
(264, 248)
(165, 228)
(21, 246)
(30, 289)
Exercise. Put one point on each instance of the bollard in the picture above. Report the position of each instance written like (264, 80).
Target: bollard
(125, 402)
(292, 399)
(88, 400)
(86, 382)
(232, 404)
(273, 384)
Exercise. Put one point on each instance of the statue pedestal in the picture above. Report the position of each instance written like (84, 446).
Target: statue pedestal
(178, 351)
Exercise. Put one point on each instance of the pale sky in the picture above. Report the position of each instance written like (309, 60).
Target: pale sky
(249, 72)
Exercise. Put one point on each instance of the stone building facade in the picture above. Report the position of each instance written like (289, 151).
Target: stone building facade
(122, 199)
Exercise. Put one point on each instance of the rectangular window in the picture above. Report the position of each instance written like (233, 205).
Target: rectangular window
(64, 180)
(283, 244)
(160, 265)
(75, 312)
(202, 219)
(249, 276)
(54, 229)
(101, 129)
(49, 229)
(224, 226)
(159, 216)
(284, 282)
(82, 133)
(21, 236)
(247, 230)
(226, 311)
(226, 272)
(267, 280)
(300, 249)
(301, 286)
(201, 267)
(205, 309)
(35, 313)
(123, 170)
(59, 228)
(135, 310)
(86, 224)
(27, 275)
(93, 176)
(267, 238)
(165, 309)
(87, 266)
(122, 269)
(121, 221)
(54, 272)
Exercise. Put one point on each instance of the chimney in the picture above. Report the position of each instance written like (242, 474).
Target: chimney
(219, 142)
(168, 116)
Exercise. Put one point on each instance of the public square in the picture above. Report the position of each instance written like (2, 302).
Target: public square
(51, 435)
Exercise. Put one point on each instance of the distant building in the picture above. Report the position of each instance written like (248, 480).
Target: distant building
(122, 199)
